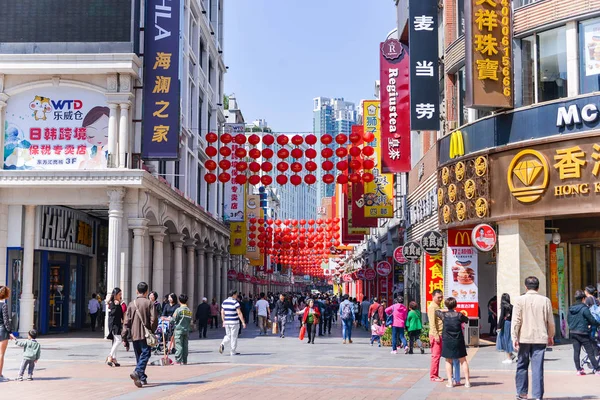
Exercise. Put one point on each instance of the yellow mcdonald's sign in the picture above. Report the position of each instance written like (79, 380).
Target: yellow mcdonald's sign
(457, 144)
(457, 238)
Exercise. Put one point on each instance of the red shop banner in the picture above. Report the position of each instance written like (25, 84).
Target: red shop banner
(434, 276)
(395, 107)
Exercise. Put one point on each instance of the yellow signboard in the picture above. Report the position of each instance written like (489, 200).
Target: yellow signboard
(457, 144)
(253, 210)
(379, 194)
(237, 240)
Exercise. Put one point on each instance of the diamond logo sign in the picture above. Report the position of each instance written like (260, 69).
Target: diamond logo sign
(528, 176)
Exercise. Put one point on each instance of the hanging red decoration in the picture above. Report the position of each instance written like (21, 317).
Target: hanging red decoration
(210, 178)
(311, 166)
(241, 179)
(326, 139)
(368, 137)
(211, 151)
(368, 151)
(341, 152)
(297, 140)
(327, 165)
(224, 164)
(282, 179)
(295, 180)
(310, 139)
(310, 179)
(266, 166)
(342, 165)
(311, 153)
(327, 152)
(267, 153)
(266, 180)
(254, 153)
(225, 151)
(282, 166)
(368, 177)
(226, 138)
(297, 153)
(240, 138)
(328, 178)
(355, 165)
(354, 178)
(296, 167)
(283, 154)
(282, 140)
(254, 166)
(240, 152)
(224, 177)
(268, 140)
(210, 165)
(355, 138)
(254, 139)
(254, 180)
(355, 151)
(211, 137)
(368, 164)
(342, 179)
(341, 139)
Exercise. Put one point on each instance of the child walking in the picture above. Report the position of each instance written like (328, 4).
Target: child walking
(31, 354)
(182, 318)
(414, 324)
(377, 330)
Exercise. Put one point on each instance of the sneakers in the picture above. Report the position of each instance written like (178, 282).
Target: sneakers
(581, 372)
(144, 382)
(597, 372)
(4, 379)
(234, 354)
(371, 344)
(437, 379)
(422, 350)
(406, 350)
(136, 379)
(20, 378)
(221, 348)
(30, 378)
(507, 361)
(393, 352)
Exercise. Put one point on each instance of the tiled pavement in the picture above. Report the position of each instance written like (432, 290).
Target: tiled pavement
(272, 368)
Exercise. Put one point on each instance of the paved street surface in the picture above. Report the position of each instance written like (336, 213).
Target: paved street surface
(273, 368)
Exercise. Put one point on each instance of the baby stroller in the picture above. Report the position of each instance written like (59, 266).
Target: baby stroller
(585, 359)
(164, 327)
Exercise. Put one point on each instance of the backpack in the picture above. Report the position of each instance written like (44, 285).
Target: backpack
(389, 320)
(595, 310)
(347, 312)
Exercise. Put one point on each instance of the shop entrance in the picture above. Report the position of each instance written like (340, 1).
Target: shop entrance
(58, 299)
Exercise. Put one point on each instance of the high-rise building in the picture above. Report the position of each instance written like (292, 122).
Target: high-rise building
(330, 116)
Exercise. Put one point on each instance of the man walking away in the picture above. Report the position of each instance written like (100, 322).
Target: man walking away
(93, 308)
(182, 319)
(202, 315)
(320, 303)
(231, 314)
(282, 310)
(364, 313)
(141, 314)
(532, 329)
(327, 316)
(347, 317)
(263, 311)
(580, 319)
(376, 308)
(435, 335)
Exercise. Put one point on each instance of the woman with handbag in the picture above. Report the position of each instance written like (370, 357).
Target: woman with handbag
(310, 318)
(115, 325)
(5, 326)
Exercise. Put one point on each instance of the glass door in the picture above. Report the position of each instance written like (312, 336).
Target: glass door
(73, 298)
(58, 312)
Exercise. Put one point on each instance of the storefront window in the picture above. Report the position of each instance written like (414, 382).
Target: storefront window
(589, 60)
(463, 114)
(527, 70)
(460, 5)
(552, 64)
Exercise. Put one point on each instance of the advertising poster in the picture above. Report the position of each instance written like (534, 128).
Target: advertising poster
(553, 277)
(592, 49)
(562, 287)
(56, 128)
(434, 276)
(238, 239)
(462, 274)
(253, 210)
(398, 278)
(234, 197)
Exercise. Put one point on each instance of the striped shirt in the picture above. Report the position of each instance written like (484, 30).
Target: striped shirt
(230, 307)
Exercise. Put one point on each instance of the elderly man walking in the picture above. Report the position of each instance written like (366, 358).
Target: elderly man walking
(532, 330)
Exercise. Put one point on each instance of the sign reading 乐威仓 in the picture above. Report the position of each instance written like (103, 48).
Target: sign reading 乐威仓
(160, 139)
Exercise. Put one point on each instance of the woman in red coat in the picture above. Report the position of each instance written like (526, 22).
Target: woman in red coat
(310, 318)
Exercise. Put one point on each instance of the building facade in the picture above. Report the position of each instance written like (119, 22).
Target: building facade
(81, 211)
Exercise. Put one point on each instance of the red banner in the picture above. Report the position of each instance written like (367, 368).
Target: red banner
(395, 112)
(434, 276)
(347, 238)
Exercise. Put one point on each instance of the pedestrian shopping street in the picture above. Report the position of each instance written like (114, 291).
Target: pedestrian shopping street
(273, 368)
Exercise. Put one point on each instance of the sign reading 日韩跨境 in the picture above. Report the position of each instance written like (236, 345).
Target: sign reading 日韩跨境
(160, 139)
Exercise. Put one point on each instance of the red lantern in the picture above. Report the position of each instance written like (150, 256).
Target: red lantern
(355, 138)
(254, 153)
(254, 166)
(266, 166)
(297, 140)
(341, 139)
(224, 177)
(355, 151)
(282, 140)
(225, 151)
(283, 153)
(326, 139)
(240, 152)
(368, 151)
(282, 166)
(327, 165)
(368, 177)
(311, 153)
(342, 165)
(295, 180)
(240, 138)
(282, 179)
(342, 179)
(226, 138)
(341, 152)
(211, 151)
(297, 153)
(296, 167)
(241, 179)
(210, 178)
(311, 166)
(254, 180)
(254, 139)
(327, 152)
(266, 180)
(225, 164)
(328, 178)
(211, 137)
(267, 153)
(310, 179)
(355, 165)
(210, 165)
(268, 140)
(310, 139)
(368, 137)
(354, 178)
(368, 164)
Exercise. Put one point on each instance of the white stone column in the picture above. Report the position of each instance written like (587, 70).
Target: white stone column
(177, 240)
(123, 135)
(572, 39)
(224, 268)
(27, 301)
(521, 253)
(3, 98)
(3, 240)
(190, 246)
(202, 273)
(158, 271)
(218, 275)
(115, 216)
(139, 227)
(112, 135)
(210, 276)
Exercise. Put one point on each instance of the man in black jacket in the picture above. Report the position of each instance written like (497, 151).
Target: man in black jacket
(202, 314)
(281, 311)
(580, 319)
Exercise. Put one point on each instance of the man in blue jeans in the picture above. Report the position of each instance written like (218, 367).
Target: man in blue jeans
(347, 317)
(532, 329)
(140, 313)
(364, 311)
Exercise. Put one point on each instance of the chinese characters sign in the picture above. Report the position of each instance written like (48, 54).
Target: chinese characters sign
(489, 63)
(424, 66)
(462, 272)
(357, 194)
(395, 107)
(233, 207)
(253, 210)
(161, 80)
(434, 276)
(56, 128)
(238, 238)
(378, 194)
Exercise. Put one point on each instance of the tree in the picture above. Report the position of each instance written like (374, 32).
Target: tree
(225, 102)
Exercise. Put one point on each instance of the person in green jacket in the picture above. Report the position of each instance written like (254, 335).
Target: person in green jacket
(414, 325)
(31, 354)
(182, 319)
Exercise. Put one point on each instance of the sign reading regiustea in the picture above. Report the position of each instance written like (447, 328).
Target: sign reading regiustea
(489, 63)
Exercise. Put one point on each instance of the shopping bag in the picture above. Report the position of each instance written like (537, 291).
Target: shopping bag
(275, 330)
(269, 324)
(302, 332)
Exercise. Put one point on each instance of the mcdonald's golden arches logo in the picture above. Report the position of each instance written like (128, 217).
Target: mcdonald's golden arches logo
(457, 144)
(527, 176)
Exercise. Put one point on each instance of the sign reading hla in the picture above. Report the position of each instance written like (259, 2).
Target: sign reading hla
(572, 115)
(162, 11)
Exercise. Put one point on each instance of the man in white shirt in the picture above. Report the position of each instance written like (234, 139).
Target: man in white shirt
(263, 311)
(93, 308)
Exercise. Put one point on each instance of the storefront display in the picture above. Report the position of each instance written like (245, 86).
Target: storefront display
(462, 272)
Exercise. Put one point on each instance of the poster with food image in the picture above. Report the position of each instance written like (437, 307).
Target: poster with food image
(462, 279)
(592, 49)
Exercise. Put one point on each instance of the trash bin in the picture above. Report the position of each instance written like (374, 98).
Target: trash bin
(471, 332)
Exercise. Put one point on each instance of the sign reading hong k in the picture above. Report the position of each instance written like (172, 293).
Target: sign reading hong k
(424, 65)
(161, 80)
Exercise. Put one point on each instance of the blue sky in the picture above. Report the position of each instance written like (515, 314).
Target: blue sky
(283, 53)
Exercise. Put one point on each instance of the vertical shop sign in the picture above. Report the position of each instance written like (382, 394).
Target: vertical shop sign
(489, 62)
(253, 210)
(434, 276)
(379, 202)
(161, 80)
(395, 107)
(553, 277)
(562, 285)
(233, 207)
(238, 238)
(462, 273)
(353, 229)
(358, 190)
(424, 66)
